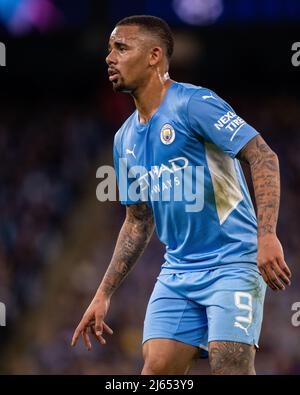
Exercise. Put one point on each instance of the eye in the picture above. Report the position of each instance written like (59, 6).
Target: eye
(122, 48)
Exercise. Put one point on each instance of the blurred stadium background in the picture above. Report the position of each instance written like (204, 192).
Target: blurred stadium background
(58, 115)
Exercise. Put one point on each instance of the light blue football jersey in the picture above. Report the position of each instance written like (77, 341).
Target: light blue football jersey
(182, 163)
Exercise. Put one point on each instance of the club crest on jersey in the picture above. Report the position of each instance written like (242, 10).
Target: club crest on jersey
(167, 134)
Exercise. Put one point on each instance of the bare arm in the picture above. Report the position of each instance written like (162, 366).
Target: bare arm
(264, 167)
(133, 238)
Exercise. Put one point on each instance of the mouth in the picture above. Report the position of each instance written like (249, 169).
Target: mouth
(113, 75)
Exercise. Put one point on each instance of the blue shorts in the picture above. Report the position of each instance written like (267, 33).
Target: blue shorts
(224, 304)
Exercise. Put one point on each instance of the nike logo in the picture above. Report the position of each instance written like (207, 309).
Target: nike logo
(131, 152)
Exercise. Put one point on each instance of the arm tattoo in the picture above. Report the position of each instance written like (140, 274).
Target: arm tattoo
(133, 239)
(231, 358)
(266, 181)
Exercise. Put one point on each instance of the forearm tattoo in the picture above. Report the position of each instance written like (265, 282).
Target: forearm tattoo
(266, 181)
(133, 238)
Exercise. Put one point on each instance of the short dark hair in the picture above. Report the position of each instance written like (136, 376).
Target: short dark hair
(153, 25)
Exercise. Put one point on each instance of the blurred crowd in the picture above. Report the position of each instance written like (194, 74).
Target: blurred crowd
(48, 154)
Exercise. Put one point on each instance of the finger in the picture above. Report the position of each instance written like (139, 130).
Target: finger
(273, 278)
(98, 329)
(98, 325)
(267, 280)
(282, 264)
(76, 335)
(107, 328)
(86, 339)
(100, 338)
(94, 334)
(270, 282)
(281, 274)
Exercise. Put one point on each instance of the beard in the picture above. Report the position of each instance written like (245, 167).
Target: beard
(121, 87)
(117, 87)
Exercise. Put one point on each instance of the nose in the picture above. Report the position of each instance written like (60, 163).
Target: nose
(110, 58)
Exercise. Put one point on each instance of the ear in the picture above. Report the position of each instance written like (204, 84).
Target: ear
(156, 56)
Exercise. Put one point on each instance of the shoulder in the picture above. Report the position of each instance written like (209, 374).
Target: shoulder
(205, 102)
(193, 97)
(199, 104)
(188, 91)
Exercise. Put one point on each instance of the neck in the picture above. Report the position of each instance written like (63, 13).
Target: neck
(149, 96)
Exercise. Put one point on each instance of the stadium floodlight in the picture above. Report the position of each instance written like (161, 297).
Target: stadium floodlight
(198, 12)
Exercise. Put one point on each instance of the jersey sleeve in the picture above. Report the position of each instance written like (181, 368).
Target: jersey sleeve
(212, 119)
(124, 181)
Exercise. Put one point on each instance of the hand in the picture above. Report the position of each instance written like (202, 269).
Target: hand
(271, 263)
(92, 322)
